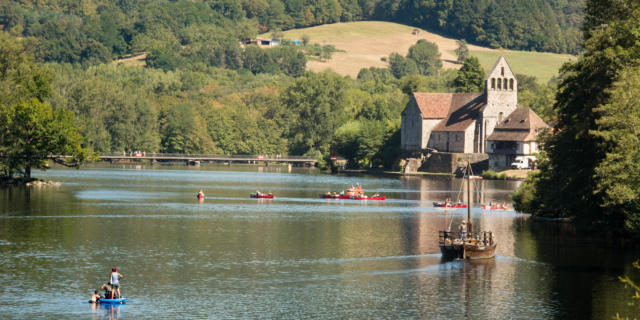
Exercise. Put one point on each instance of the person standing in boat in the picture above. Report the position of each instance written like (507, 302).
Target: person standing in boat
(115, 282)
(463, 230)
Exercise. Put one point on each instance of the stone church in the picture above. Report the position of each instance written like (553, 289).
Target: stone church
(460, 122)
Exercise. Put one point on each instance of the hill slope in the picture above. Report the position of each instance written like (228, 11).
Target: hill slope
(367, 42)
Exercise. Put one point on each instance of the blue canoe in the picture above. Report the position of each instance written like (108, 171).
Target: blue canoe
(113, 301)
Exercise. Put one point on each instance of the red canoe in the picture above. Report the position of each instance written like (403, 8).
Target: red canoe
(331, 196)
(370, 198)
(450, 205)
(262, 196)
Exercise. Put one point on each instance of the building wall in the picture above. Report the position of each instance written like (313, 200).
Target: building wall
(411, 128)
(427, 126)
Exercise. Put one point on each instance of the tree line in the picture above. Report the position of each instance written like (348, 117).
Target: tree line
(210, 31)
(590, 167)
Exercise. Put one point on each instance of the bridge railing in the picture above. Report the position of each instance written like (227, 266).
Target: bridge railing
(187, 155)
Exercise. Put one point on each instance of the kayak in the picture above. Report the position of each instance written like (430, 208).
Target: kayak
(262, 196)
(450, 205)
(113, 301)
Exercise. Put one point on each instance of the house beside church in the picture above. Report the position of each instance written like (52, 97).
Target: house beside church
(514, 136)
(460, 122)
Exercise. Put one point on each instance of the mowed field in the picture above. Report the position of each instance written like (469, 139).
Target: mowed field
(366, 42)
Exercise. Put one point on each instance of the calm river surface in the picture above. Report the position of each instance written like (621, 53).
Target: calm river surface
(294, 257)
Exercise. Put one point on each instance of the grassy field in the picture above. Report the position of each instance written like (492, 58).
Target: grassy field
(366, 42)
(542, 65)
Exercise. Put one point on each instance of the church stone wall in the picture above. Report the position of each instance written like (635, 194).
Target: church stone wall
(411, 132)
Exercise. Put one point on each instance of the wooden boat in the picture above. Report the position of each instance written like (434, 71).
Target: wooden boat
(330, 196)
(450, 205)
(470, 245)
(262, 195)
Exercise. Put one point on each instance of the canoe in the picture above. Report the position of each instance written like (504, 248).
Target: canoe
(370, 198)
(262, 196)
(450, 205)
(113, 301)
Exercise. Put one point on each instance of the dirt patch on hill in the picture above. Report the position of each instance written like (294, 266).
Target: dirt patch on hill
(367, 42)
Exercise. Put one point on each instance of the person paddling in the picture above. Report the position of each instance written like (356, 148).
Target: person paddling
(115, 282)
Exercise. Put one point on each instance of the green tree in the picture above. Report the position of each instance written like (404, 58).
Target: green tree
(401, 66)
(31, 131)
(470, 77)
(462, 52)
(575, 178)
(426, 56)
(316, 102)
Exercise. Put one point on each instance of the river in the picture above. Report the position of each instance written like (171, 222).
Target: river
(294, 257)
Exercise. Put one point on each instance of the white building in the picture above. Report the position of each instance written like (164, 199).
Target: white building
(514, 136)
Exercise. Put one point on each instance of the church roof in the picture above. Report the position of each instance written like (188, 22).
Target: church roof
(439, 105)
(464, 111)
(520, 125)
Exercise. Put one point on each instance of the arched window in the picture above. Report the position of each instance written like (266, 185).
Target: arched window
(505, 83)
(493, 83)
(502, 71)
(499, 83)
(500, 117)
(510, 84)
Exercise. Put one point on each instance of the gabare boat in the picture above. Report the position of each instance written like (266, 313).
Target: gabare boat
(470, 245)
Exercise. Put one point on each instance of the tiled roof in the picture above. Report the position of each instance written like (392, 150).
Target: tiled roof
(520, 125)
(439, 105)
(465, 109)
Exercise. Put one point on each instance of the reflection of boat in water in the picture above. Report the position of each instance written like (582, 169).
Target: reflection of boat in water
(449, 205)
(495, 207)
(467, 244)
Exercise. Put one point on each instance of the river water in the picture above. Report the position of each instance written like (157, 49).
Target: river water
(294, 257)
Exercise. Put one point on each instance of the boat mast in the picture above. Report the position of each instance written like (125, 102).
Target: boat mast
(469, 198)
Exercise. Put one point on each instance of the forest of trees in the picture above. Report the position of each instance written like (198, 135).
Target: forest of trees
(590, 167)
(203, 92)
(209, 31)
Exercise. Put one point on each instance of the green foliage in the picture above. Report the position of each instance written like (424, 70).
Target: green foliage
(426, 56)
(401, 66)
(30, 131)
(538, 97)
(493, 175)
(635, 298)
(462, 52)
(589, 168)
(317, 105)
(470, 77)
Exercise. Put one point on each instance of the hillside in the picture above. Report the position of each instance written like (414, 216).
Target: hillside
(367, 42)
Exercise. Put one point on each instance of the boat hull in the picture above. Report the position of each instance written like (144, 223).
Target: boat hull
(261, 196)
(451, 205)
(113, 301)
(468, 251)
